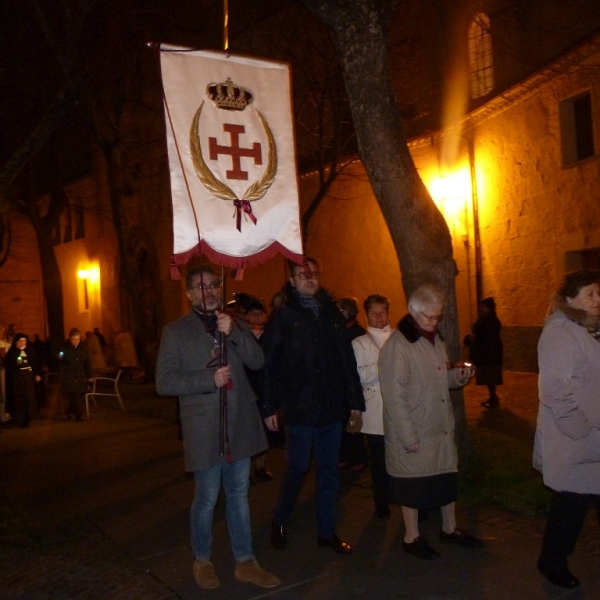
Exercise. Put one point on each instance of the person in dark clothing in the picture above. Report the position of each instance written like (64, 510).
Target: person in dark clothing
(485, 350)
(353, 452)
(75, 374)
(22, 373)
(311, 373)
(100, 337)
(41, 349)
(255, 314)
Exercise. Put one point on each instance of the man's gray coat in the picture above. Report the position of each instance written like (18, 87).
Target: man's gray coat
(185, 351)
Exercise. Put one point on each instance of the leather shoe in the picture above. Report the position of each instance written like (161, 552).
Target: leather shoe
(461, 538)
(278, 536)
(420, 548)
(335, 544)
(562, 577)
(383, 511)
(250, 571)
(262, 475)
(205, 575)
(491, 403)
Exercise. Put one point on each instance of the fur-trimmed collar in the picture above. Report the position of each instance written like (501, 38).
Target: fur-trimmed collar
(590, 322)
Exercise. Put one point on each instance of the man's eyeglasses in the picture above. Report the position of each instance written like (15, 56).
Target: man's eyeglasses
(432, 318)
(207, 287)
(302, 276)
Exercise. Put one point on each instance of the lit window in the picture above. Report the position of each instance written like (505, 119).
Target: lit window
(480, 56)
(576, 129)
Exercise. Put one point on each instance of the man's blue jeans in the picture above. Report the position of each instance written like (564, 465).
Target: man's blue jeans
(236, 480)
(300, 442)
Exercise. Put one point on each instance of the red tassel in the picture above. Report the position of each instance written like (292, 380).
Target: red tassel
(175, 274)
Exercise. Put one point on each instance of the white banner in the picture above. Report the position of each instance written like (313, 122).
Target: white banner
(231, 157)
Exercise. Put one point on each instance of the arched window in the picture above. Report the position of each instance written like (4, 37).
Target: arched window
(480, 56)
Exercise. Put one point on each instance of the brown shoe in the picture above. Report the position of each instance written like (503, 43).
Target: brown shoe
(205, 575)
(250, 571)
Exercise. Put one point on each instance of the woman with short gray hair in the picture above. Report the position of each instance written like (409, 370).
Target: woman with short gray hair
(420, 451)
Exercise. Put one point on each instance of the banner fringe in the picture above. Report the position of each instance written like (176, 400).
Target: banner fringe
(236, 262)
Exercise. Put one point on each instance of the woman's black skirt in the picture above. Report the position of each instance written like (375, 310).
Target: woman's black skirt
(425, 493)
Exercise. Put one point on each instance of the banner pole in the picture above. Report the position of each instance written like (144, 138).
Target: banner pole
(225, 24)
(222, 362)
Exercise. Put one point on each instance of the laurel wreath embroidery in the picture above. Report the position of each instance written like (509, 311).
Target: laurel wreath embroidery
(219, 189)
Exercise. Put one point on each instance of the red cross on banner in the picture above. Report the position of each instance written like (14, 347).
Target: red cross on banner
(235, 151)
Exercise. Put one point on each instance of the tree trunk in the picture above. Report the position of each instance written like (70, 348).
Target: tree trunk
(359, 30)
(130, 283)
(51, 277)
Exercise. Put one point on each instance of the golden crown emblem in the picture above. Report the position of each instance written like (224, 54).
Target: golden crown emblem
(229, 95)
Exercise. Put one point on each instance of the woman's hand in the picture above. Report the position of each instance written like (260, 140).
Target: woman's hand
(465, 372)
(412, 448)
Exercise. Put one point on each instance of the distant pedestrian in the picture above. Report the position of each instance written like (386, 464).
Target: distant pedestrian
(22, 374)
(486, 350)
(100, 337)
(94, 349)
(188, 367)
(41, 350)
(420, 450)
(75, 374)
(567, 438)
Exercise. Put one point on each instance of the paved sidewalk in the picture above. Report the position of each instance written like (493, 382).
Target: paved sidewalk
(99, 509)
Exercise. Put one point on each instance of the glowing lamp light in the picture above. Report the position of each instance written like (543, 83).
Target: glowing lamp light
(450, 194)
(92, 274)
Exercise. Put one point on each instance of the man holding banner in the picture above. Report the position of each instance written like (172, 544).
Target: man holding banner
(188, 367)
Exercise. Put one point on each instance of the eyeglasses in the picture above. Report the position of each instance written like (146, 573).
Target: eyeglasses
(206, 287)
(432, 318)
(302, 276)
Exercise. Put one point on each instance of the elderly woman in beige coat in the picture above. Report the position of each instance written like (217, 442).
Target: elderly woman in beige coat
(567, 438)
(420, 451)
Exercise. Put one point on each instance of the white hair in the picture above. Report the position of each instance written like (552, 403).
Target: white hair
(426, 296)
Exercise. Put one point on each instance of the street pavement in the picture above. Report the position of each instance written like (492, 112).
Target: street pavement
(99, 510)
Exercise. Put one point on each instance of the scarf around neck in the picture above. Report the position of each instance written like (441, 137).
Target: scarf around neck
(581, 317)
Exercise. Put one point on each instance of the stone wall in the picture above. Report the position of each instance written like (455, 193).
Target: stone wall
(520, 348)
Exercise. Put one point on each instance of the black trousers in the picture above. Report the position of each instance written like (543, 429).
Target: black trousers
(379, 475)
(75, 402)
(565, 520)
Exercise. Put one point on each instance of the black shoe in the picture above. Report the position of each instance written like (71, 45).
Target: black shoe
(335, 544)
(491, 403)
(461, 538)
(383, 511)
(262, 475)
(278, 536)
(562, 577)
(420, 548)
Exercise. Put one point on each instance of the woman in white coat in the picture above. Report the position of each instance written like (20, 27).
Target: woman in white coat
(567, 438)
(418, 421)
(366, 350)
